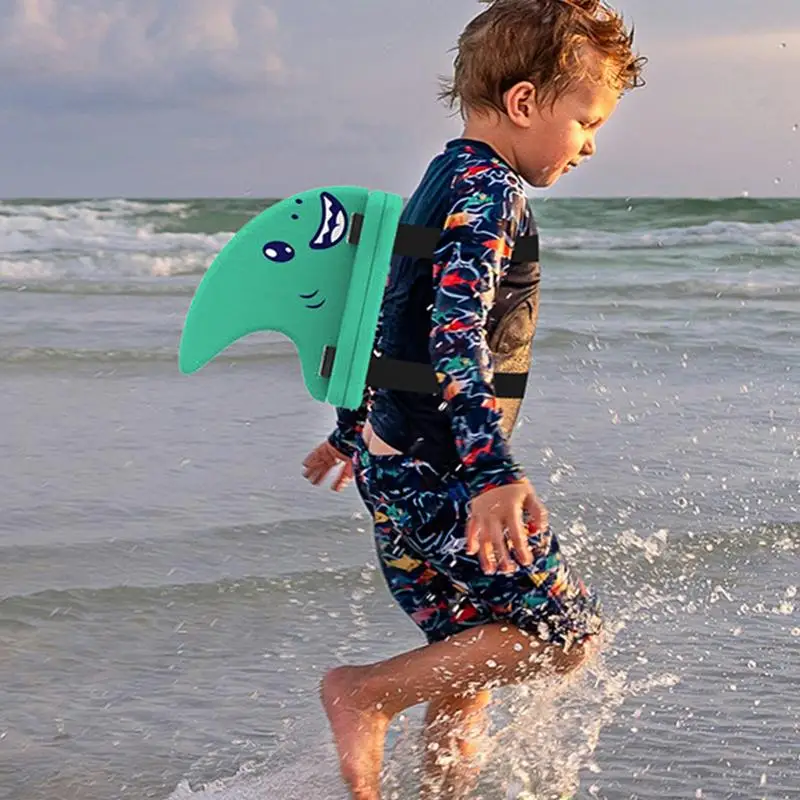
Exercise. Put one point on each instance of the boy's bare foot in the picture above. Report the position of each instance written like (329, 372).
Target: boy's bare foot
(493, 655)
(359, 732)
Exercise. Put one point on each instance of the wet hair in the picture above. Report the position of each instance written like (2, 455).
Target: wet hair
(547, 42)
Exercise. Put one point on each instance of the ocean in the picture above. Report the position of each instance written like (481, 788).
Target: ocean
(171, 589)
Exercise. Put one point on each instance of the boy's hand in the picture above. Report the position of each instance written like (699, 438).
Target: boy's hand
(496, 512)
(321, 460)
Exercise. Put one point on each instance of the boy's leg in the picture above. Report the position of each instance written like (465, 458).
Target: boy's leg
(455, 727)
(361, 701)
(419, 534)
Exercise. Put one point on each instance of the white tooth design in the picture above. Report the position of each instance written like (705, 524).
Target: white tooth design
(331, 222)
(328, 214)
(338, 230)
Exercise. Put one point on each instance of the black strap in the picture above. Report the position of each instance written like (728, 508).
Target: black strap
(420, 241)
(410, 376)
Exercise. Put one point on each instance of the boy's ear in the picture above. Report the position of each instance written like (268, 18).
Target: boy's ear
(521, 103)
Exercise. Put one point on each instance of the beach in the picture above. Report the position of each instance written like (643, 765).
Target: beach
(172, 589)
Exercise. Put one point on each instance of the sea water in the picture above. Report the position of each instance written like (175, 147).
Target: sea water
(171, 589)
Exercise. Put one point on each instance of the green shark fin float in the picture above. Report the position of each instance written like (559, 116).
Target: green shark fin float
(314, 268)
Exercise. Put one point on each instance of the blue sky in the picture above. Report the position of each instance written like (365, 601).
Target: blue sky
(175, 98)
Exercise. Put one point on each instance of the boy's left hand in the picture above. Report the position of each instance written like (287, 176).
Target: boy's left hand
(320, 461)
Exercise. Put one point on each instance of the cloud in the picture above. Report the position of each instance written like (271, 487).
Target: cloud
(191, 97)
(146, 50)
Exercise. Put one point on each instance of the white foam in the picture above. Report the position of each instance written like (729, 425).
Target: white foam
(316, 776)
(93, 239)
(122, 238)
(134, 265)
(779, 234)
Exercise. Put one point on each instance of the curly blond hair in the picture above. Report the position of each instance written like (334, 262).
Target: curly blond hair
(544, 42)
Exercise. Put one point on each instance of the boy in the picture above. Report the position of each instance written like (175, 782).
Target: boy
(462, 539)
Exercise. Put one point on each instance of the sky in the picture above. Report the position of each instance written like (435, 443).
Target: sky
(265, 98)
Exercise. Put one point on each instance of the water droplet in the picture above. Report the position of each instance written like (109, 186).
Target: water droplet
(796, 127)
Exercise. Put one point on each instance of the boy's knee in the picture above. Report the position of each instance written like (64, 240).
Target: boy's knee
(581, 654)
(592, 645)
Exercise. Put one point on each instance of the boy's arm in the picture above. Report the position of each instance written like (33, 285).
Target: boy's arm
(349, 424)
(474, 251)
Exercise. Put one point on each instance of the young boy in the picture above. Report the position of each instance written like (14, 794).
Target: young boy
(462, 539)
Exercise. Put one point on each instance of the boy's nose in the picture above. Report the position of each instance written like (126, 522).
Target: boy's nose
(589, 148)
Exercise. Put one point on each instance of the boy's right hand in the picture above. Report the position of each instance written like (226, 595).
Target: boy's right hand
(500, 510)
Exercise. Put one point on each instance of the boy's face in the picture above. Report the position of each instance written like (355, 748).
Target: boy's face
(550, 141)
